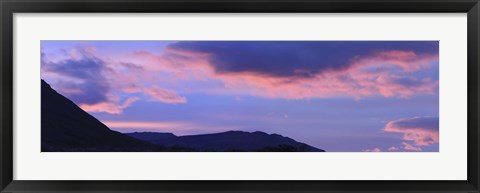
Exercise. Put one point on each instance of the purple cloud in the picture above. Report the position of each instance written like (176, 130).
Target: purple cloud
(82, 78)
(100, 84)
(423, 131)
(293, 58)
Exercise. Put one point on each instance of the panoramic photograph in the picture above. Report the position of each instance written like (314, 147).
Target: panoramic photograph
(239, 96)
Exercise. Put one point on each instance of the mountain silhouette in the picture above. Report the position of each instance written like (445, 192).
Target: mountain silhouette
(226, 141)
(66, 127)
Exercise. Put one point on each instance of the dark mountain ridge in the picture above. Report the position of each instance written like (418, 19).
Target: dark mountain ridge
(65, 127)
(226, 141)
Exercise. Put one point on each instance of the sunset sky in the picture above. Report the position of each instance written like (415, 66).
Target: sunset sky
(340, 96)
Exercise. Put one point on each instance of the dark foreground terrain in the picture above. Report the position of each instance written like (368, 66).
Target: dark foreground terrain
(67, 128)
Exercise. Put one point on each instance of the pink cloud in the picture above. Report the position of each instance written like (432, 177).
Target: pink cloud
(410, 147)
(164, 95)
(132, 78)
(183, 64)
(131, 88)
(109, 107)
(326, 85)
(384, 74)
(409, 61)
(392, 148)
(423, 131)
(178, 128)
(145, 125)
(116, 75)
(361, 79)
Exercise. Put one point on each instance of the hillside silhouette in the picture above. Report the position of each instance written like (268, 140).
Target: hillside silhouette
(235, 141)
(65, 127)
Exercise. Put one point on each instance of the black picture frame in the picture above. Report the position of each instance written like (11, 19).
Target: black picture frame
(9, 7)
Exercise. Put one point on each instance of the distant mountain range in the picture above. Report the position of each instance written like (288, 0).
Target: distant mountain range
(230, 141)
(67, 128)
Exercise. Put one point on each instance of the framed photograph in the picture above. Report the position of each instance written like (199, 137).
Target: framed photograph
(239, 96)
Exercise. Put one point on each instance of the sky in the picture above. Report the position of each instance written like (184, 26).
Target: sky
(340, 96)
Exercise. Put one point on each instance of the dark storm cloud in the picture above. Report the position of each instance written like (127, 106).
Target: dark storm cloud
(294, 58)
